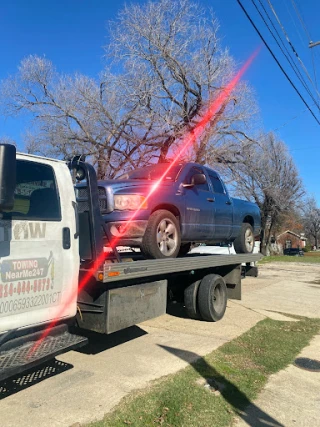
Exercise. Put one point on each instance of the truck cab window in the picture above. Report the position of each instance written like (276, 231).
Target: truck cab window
(36, 196)
(216, 184)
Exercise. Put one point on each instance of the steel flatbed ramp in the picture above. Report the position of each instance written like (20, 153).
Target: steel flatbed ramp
(27, 356)
(115, 272)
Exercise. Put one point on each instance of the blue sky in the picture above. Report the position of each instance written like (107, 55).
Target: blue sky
(71, 33)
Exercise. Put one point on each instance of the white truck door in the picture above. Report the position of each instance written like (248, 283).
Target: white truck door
(39, 255)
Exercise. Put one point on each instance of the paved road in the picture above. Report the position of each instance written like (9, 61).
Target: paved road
(82, 386)
(285, 287)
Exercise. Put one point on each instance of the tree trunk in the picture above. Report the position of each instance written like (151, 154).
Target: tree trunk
(165, 149)
(263, 244)
(200, 154)
(102, 162)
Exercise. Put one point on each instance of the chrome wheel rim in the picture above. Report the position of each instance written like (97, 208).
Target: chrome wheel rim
(167, 237)
(249, 240)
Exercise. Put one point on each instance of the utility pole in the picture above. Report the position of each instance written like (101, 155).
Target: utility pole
(313, 44)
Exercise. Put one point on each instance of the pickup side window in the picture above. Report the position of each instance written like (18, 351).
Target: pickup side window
(36, 196)
(216, 184)
(193, 171)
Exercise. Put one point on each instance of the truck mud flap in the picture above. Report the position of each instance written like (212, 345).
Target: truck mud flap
(30, 353)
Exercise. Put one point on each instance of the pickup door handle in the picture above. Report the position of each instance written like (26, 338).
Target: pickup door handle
(228, 202)
(211, 199)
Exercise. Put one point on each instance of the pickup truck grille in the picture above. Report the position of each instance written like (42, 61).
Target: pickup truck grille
(83, 202)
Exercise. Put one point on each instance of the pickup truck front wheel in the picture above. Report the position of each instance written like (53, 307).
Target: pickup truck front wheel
(162, 237)
(244, 243)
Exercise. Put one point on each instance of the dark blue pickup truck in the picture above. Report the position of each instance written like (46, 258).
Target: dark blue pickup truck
(191, 204)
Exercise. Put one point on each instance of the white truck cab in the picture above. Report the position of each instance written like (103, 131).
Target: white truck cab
(39, 249)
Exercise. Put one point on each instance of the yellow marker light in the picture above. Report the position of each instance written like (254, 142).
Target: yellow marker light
(113, 273)
(100, 277)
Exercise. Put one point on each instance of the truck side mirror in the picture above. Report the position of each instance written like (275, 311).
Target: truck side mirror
(7, 176)
(197, 179)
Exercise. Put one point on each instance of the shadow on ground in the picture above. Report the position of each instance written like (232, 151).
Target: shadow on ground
(97, 343)
(31, 377)
(101, 342)
(177, 310)
(243, 407)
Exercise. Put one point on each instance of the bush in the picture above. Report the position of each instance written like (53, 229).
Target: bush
(307, 248)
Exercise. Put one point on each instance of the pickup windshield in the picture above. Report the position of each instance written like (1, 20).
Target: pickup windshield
(154, 172)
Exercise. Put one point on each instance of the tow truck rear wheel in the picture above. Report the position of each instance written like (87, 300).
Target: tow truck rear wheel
(191, 300)
(212, 297)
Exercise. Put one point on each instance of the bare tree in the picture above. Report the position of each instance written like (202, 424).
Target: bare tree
(4, 139)
(170, 68)
(172, 46)
(265, 173)
(312, 219)
(77, 115)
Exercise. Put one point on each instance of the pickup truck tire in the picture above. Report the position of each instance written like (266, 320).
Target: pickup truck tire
(191, 300)
(162, 238)
(212, 297)
(244, 243)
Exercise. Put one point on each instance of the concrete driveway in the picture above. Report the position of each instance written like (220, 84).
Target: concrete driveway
(82, 386)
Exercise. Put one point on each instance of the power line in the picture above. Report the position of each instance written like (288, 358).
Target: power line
(278, 63)
(289, 120)
(308, 37)
(301, 20)
(294, 24)
(288, 57)
(305, 148)
(292, 47)
(314, 69)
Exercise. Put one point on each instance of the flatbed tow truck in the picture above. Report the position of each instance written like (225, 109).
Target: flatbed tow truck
(56, 278)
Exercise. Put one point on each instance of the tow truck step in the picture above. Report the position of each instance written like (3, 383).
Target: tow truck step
(30, 354)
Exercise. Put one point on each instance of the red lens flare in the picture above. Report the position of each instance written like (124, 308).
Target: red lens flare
(187, 142)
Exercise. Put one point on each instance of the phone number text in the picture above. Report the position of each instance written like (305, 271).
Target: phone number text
(21, 304)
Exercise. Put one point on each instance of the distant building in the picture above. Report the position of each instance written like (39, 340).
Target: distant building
(289, 239)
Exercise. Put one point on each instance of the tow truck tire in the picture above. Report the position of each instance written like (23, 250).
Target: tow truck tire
(162, 238)
(212, 297)
(191, 300)
(244, 243)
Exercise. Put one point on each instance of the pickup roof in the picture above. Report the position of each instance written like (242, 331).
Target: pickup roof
(190, 204)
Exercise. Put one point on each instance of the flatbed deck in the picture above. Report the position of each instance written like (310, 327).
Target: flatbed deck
(158, 268)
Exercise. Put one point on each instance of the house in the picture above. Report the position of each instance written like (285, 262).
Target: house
(290, 239)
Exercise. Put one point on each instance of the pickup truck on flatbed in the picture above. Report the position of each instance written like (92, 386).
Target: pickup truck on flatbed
(55, 273)
(191, 204)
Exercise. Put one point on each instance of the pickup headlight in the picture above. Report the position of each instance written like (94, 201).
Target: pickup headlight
(124, 202)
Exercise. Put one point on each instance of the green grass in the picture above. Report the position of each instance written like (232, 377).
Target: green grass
(309, 257)
(239, 368)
